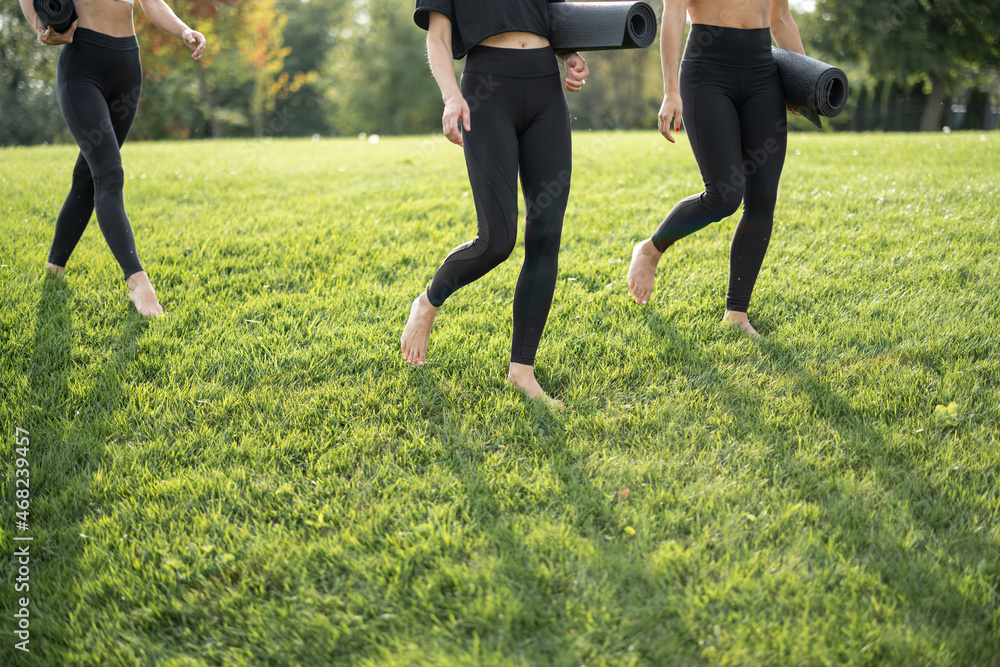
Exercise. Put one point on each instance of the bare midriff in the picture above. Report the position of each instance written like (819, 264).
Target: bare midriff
(745, 14)
(110, 17)
(516, 40)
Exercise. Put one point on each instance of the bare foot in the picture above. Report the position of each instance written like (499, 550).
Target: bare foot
(740, 321)
(417, 333)
(140, 291)
(522, 377)
(642, 271)
(55, 269)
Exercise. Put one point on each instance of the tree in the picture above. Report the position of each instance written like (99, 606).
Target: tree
(313, 29)
(240, 76)
(378, 75)
(29, 113)
(934, 40)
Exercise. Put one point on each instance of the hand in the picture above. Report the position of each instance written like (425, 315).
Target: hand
(195, 41)
(670, 115)
(576, 72)
(456, 116)
(793, 111)
(52, 38)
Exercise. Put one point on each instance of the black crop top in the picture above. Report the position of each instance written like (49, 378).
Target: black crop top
(472, 21)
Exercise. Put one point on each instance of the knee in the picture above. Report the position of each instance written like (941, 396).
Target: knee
(82, 184)
(761, 202)
(496, 253)
(722, 200)
(110, 180)
(81, 172)
(548, 203)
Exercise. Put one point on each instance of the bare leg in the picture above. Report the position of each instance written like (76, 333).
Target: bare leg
(642, 271)
(140, 291)
(740, 321)
(417, 333)
(522, 377)
(55, 269)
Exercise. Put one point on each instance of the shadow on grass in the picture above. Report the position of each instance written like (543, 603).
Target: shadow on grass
(924, 577)
(67, 447)
(497, 475)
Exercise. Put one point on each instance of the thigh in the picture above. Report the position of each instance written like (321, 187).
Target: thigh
(546, 149)
(86, 111)
(123, 98)
(713, 125)
(491, 155)
(764, 137)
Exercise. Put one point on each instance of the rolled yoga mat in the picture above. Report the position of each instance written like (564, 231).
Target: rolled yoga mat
(600, 26)
(812, 87)
(56, 14)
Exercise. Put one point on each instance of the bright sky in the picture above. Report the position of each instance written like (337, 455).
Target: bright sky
(803, 5)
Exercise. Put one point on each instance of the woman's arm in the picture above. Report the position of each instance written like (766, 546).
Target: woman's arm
(784, 29)
(576, 69)
(28, 9)
(43, 34)
(671, 44)
(456, 109)
(164, 18)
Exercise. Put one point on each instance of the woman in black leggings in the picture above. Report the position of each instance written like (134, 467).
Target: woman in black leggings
(510, 115)
(733, 107)
(98, 82)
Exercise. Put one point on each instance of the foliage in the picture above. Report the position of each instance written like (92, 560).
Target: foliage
(245, 56)
(341, 67)
(379, 81)
(258, 479)
(28, 113)
(935, 40)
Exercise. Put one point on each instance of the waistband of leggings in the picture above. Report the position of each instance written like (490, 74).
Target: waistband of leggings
(740, 47)
(88, 36)
(513, 63)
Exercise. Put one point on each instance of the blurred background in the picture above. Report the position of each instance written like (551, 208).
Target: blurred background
(292, 68)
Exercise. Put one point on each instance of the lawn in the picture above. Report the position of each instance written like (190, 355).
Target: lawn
(258, 478)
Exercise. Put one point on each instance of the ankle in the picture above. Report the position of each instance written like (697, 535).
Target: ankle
(650, 249)
(424, 302)
(520, 371)
(138, 279)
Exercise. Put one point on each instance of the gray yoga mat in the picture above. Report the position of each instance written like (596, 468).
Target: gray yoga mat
(56, 14)
(600, 26)
(812, 87)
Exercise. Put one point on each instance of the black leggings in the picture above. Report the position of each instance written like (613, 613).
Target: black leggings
(734, 115)
(520, 120)
(98, 82)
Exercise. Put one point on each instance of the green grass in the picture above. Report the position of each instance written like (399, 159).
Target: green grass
(259, 479)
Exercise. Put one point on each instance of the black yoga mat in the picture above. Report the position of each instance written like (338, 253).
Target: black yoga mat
(57, 14)
(599, 26)
(812, 87)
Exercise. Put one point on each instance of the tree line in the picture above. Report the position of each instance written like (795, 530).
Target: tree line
(277, 68)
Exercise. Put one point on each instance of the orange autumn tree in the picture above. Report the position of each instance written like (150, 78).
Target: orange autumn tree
(163, 54)
(245, 50)
(262, 44)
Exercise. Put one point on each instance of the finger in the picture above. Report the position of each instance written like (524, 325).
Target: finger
(451, 130)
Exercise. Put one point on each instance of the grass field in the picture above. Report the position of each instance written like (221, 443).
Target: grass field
(258, 479)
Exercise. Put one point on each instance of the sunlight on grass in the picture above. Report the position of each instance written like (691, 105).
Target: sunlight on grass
(260, 479)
